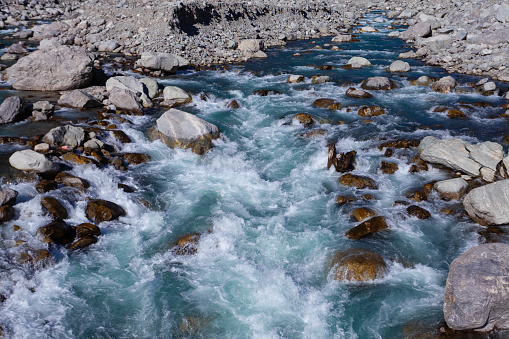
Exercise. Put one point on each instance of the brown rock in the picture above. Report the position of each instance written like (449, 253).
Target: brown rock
(39, 258)
(419, 195)
(358, 181)
(343, 162)
(266, 92)
(82, 230)
(80, 160)
(126, 188)
(367, 197)
(44, 186)
(366, 228)
(418, 212)
(304, 118)
(335, 106)
(103, 210)
(186, 245)
(362, 213)
(191, 326)
(358, 265)
(120, 136)
(54, 207)
(389, 152)
(323, 103)
(357, 93)
(371, 111)
(314, 134)
(136, 158)
(325, 67)
(388, 167)
(57, 232)
(83, 243)
(118, 164)
(440, 109)
(71, 180)
(455, 113)
(399, 144)
(233, 104)
(420, 165)
(6, 213)
(341, 200)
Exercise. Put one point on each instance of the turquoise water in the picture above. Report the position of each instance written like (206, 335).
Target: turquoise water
(265, 205)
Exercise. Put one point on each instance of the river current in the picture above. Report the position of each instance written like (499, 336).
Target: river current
(265, 205)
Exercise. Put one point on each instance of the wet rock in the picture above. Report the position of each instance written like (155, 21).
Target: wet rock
(6, 213)
(358, 62)
(8, 197)
(136, 158)
(489, 204)
(342, 200)
(120, 136)
(31, 161)
(399, 66)
(304, 118)
(357, 264)
(70, 180)
(362, 213)
(325, 67)
(343, 162)
(126, 188)
(451, 153)
(367, 228)
(80, 159)
(418, 212)
(371, 111)
(39, 258)
(292, 79)
(266, 92)
(94, 144)
(233, 104)
(191, 326)
(475, 293)
(54, 207)
(65, 136)
(451, 188)
(82, 243)
(176, 94)
(323, 103)
(44, 186)
(127, 83)
(419, 195)
(358, 181)
(186, 245)
(357, 93)
(455, 113)
(87, 229)
(445, 85)
(184, 130)
(158, 61)
(103, 210)
(378, 83)
(12, 109)
(388, 167)
(320, 79)
(399, 144)
(57, 69)
(57, 232)
(78, 99)
(421, 81)
(125, 99)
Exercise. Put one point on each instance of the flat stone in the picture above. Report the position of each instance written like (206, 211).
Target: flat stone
(451, 188)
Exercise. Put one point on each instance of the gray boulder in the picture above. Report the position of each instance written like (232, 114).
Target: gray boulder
(451, 153)
(18, 48)
(489, 204)
(126, 99)
(184, 130)
(250, 45)
(399, 66)
(342, 38)
(12, 109)
(78, 99)
(452, 188)
(421, 30)
(489, 154)
(132, 84)
(161, 61)
(58, 69)
(358, 62)
(31, 161)
(378, 83)
(476, 295)
(8, 197)
(502, 13)
(42, 110)
(445, 84)
(107, 46)
(152, 87)
(65, 136)
(177, 94)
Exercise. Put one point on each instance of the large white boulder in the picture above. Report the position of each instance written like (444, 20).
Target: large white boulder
(489, 204)
(31, 161)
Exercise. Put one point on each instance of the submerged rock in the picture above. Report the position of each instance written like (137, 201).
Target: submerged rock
(56, 69)
(184, 130)
(358, 264)
(186, 245)
(476, 290)
(489, 204)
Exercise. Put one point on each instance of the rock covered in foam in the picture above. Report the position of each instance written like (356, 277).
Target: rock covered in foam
(184, 130)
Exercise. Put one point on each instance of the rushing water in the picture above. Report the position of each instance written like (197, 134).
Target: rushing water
(264, 202)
